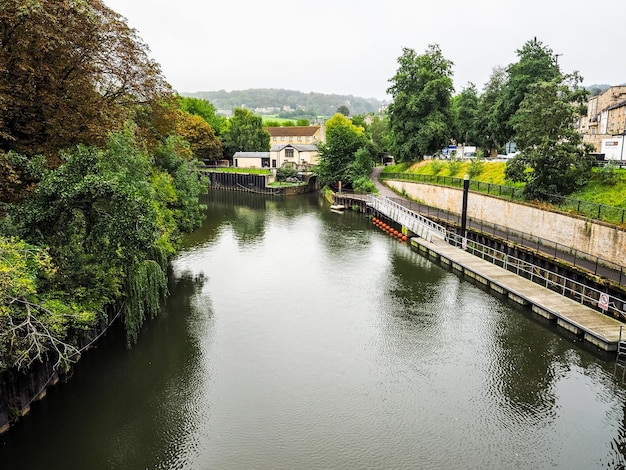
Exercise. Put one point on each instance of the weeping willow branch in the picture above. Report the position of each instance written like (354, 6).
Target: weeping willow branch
(146, 288)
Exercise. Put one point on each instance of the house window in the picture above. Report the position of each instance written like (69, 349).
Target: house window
(282, 139)
(288, 153)
(290, 138)
(299, 139)
(308, 138)
(275, 138)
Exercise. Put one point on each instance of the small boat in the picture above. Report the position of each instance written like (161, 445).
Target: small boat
(337, 207)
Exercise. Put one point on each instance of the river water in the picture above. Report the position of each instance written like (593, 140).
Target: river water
(295, 337)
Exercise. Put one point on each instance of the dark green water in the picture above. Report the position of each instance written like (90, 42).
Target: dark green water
(298, 338)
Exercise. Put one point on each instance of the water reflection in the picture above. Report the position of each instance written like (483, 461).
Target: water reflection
(298, 338)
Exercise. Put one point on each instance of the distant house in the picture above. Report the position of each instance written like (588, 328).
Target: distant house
(606, 116)
(251, 159)
(302, 157)
(297, 135)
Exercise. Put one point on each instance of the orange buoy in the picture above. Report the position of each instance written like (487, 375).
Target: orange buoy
(404, 238)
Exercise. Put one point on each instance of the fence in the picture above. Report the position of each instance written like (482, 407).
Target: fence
(592, 210)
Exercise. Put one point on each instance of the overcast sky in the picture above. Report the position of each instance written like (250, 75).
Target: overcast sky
(351, 47)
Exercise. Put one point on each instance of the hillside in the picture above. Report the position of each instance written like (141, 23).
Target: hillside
(284, 103)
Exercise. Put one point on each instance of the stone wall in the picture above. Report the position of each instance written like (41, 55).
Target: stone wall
(593, 237)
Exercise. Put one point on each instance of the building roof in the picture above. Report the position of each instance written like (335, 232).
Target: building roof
(298, 147)
(292, 131)
(252, 155)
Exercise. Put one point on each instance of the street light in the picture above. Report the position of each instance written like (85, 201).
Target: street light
(466, 182)
(556, 62)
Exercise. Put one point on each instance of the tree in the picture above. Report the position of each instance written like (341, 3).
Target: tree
(337, 154)
(245, 133)
(379, 130)
(487, 124)
(551, 148)
(420, 117)
(111, 219)
(34, 325)
(536, 64)
(204, 144)
(205, 110)
(465, 108)
(343, 109)
(70, 72)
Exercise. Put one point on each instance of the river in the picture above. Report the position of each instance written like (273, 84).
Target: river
(295, 337)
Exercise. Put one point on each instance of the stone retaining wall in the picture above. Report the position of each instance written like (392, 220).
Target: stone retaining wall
(588, 236)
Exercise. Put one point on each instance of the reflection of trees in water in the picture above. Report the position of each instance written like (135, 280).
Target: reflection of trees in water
(247, 213)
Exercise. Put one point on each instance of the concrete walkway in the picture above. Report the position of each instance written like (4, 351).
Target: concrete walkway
(591, 325)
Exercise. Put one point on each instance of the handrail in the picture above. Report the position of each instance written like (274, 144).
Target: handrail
(592, 210)
(570, 288)
(412, 220)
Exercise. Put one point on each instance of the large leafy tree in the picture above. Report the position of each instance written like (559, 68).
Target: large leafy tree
(553, 159)
(204, 144)
(420, 115)
(465, 108)
(70, 72)
(536, 64)
(110, 219)
(205, 109)
(337, 156)
(244, 133)
(486, 125)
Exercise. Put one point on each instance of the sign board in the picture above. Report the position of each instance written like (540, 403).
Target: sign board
(603, 301)
(613, 148)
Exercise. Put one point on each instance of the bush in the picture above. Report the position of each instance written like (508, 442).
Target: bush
(436, 166)
(364, 185)
(454, 165)
(475, 168)
(609, 174)
(283, 173)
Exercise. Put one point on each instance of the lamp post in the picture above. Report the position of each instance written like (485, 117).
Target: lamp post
(466, 182)
(556, 63)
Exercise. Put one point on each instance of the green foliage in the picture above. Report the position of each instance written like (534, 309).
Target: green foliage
(245, 133)
(454, 165)
(436, 166)
(110, 215)
(337, 155)
(608, 174)
(204, 109)
(364, 185)
(146, 287)
(420, 116)
(550, 146)
(536, 64)
(286, 172)
(343, 109)
(465, 109)
(34, 324)
(475, 168)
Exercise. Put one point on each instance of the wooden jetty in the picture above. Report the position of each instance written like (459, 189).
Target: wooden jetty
(602, 331)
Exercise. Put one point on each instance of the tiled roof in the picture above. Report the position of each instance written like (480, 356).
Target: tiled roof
(292, 131)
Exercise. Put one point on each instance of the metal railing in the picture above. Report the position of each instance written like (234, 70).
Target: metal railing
(567, 287)
(408, 218)
(591, 263)
(592, 210)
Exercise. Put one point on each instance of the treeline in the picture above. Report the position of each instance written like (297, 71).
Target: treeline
(288, 103)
